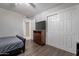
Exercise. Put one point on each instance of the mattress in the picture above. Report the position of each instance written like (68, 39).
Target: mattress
(10, 43)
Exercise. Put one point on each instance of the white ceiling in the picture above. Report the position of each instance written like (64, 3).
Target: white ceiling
(28, 10)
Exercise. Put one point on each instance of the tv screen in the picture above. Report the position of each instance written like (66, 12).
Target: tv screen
(41, 25)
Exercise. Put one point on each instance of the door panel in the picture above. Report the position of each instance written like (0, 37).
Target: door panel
(27, 29)
(60, 30)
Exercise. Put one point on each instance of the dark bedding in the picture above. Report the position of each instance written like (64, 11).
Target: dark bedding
(10, 43)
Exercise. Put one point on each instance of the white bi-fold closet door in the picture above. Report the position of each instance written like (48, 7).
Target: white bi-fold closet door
(60, 30)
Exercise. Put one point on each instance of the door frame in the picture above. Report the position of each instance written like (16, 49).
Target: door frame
(24, 28)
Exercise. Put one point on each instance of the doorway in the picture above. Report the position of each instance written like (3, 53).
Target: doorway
(27, 29)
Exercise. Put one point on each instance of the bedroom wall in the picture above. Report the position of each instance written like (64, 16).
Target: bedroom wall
(66, 34)
(11, 23)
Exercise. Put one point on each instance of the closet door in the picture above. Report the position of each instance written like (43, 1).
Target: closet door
(52, 30)
(67, 30)
(68, 18)
(60, 30)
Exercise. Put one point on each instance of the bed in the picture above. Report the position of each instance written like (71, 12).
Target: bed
(10, 46)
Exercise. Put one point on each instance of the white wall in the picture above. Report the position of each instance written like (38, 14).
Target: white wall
(10, 23)
(66, 34)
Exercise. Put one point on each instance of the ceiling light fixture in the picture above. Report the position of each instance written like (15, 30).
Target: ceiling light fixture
(28, 4)
(31, 4)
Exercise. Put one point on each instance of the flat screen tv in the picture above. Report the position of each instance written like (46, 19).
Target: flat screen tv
(41, 25)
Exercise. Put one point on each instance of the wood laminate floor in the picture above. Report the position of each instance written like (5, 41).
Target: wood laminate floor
(32, 49)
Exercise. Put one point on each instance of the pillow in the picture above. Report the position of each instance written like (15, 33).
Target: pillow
(20, 37)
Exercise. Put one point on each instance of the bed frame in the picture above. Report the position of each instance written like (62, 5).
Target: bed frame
(16, 51)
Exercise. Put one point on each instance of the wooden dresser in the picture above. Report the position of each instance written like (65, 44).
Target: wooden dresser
(39, 37)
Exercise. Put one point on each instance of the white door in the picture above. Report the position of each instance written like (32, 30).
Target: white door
(27, 29)
(60, 30)
(52, 30)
